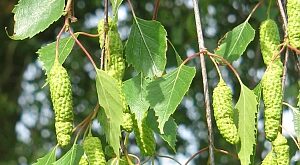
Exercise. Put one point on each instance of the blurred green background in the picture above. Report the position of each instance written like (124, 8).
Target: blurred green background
(26, 115)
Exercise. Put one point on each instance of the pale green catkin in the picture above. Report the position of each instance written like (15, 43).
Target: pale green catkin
(61, 96)
(293, 27)
(223, 112)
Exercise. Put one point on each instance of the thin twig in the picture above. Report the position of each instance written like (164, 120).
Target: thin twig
(83, 48)
(294, 49)
(227, 153)
(295, 141)
(57, 41)
(228, 64)
(205, 82)
(156, 6)
(283, 16)
(284, 70)
(193, 156)
(169, 157)
(87, 34)
(103, 57)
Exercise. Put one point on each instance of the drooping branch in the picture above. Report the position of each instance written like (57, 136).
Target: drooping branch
(205, 83)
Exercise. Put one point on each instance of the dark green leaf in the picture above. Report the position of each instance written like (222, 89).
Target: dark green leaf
(165, 93)
(47, 159)
(109, 96)
(135, 94)
(170, 129)
(247, 107)
(146, 47)
(47, 53)
(34, 16)
(236, 41)
(71, 157)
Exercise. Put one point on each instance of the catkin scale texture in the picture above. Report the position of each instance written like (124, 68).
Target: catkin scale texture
(127, 123)
(269, 41)
(61, 96)
(293, 27)
(144, 137)
(93, 149)
(281, 150)
(270, 159)
(115, 65)
(272, 97)
(223, 112)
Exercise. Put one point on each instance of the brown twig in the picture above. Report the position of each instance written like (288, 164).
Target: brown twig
(57, 41)
(156, 6)
(83, 48)
(194, 155)
(87, 34)
(87, 120)
(205, 82)
(169, 157)
(106, 26)
(283, 16)
(294, 49)
(227, 63)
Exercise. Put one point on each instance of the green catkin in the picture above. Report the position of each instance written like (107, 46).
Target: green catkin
(270, 159)
(93, 150)
(293, 27)
(223, 112)
(127, 123)
(144, 137)
(272, 97)
(281, 150)
(61, 96)
(269, 41)
(115, 64)
(83, 160)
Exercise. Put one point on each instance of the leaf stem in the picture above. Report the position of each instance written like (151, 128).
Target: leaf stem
(228, 64)
(83, 48)
(253, 10)
(227, 153)
(156, 6)
(217, 67)
(57, 42)
(196, 154)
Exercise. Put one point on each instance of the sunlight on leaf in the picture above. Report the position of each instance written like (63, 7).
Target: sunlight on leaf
(48, 159)
(71, 157)
(166, 93)
(247, 107)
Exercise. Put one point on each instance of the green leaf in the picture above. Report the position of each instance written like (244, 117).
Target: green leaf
(236, 41)
(178, 58)
(170, 129)
(247, 107)
(165, 93)
(71, 157)
(146, 47)
(34, 16)
(47, 159)
(109, 96)
(47, 53)
(115, 6)
(135, 95)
